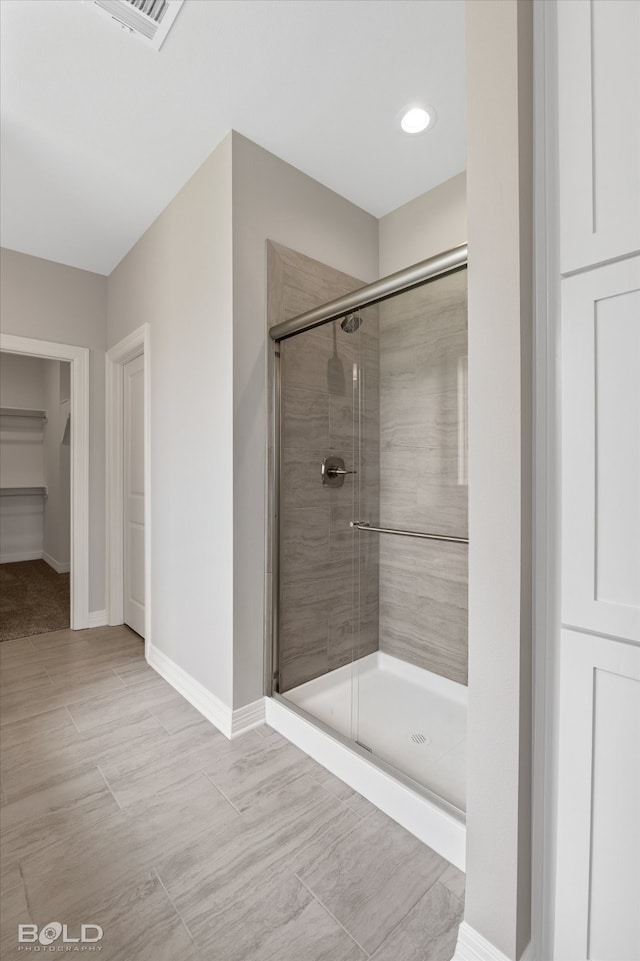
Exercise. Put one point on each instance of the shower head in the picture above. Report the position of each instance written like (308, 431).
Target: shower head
(351, 323)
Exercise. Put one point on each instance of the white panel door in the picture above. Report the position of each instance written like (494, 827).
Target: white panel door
(134, 599)
(598, 856)
(599, 133)
(601, 450)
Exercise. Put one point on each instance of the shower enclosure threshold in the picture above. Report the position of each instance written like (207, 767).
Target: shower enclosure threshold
(414, 720)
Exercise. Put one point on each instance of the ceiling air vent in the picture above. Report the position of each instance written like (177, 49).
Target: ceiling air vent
(149, 20)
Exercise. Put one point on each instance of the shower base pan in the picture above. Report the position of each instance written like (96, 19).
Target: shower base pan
(414, 722)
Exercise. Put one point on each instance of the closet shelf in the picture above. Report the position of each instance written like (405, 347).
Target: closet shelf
(23, 412)
(23, 491)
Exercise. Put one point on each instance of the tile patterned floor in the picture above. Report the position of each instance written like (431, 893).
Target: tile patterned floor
(122, 806)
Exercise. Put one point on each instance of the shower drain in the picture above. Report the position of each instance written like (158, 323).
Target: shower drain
(419, 739)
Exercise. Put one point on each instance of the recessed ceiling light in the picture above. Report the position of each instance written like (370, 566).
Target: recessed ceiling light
(417, 119)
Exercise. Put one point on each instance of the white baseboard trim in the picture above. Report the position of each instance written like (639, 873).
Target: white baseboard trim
(193, 691)
(97, 618)
(59, 567)
(246, 718)
(22, 556)
(472, 946)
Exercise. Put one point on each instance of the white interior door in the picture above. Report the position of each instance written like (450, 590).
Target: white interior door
(134, 599)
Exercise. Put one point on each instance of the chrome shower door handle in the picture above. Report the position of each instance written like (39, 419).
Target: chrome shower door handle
(334, 472)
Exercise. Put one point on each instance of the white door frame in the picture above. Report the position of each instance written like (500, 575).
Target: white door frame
(135, 344)
(78, 357)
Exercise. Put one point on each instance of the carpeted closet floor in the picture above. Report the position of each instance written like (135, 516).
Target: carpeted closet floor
(33, 599)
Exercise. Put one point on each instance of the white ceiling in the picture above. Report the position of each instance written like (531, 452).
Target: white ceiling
(99, 131)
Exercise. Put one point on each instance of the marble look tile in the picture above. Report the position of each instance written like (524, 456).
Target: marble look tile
(352, 635)
(305, 418)
(303, 668)
(47, 816)
(412, 417)
(176, 815)
(135, 671)
(25, 770)
(139, 922)
(71, 875)
(270, 734)
(60, 797)
(249, 768)
(371, 879)
(18, 680)
(283, 922)
(302, 481)
(303, 627)
(313, 362)
(120, 705)
(175, 714)
(398, 585)
(354, 801)
(213, 881)
(307, 283)
(398, 469)
(179, 872)
(15, 911)
(454, 879)
(19, 705)
(342, 537)
(423, 346)
(305, 537)
(343, 428)
(10, 876)
(430, 930)
(134, 778)
(74, 661)
(360, 806)
(438, 645)
(441, 304)
(16, 648)
(429, 628)
(42, 727)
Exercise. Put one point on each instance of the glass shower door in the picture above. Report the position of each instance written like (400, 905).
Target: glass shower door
(319, 497)
(408, 696)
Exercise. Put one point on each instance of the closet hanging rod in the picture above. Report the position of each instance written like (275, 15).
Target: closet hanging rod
(363, 526)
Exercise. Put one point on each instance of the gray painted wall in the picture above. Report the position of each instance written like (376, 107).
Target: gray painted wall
(433, 222)
(198, 277)
(178, 278)
(271, 200)
(48, 301)
(499, 73)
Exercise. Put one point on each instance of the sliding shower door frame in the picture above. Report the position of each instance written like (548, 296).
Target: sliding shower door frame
(417, 275)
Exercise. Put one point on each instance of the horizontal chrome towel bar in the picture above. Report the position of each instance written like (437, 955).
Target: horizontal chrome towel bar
(362, 526)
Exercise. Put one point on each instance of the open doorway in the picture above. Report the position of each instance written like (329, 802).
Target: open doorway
(70, 441)
(35, 494)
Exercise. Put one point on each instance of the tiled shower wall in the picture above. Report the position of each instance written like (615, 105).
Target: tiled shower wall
(423, 475)
(319, 629)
